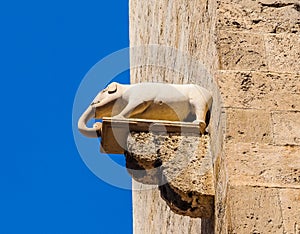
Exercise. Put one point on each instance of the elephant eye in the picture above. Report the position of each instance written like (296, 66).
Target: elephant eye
(111, 91)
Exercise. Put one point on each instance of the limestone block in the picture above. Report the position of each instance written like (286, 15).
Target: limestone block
(241, 51)
(180, 164)
(254, 210)
(286, 128)
(283, 52)
(262, 16)
(263, 165)
(290, 204)
(248, 125)
(260, 90)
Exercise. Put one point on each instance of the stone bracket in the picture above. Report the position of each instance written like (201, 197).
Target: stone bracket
(173, 155)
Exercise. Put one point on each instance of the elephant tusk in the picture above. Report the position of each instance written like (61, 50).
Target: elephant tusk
(85, 117)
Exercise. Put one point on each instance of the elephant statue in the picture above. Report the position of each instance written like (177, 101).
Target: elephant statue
(157, 101)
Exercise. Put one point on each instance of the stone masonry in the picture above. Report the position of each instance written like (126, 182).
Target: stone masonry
(251, 52)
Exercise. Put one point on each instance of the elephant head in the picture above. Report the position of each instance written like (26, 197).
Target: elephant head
(105, 104)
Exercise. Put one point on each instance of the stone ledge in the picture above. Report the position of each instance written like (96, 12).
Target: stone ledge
(115, 131)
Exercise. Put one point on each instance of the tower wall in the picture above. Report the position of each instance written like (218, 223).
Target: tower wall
(251, 52)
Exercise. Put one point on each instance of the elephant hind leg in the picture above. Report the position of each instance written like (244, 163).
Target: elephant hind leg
(199, 110)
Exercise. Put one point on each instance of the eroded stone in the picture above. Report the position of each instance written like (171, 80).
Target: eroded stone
(241, 51)
(290, 204)
(180, 164)
(283, 52)
(260, 90)
(254, 210)
(246, 125)
(286, 128)
(142, 161)
(263, 165)
(153, 215)
(260, 16)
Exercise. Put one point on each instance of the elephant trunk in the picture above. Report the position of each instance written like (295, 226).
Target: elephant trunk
(85, 117)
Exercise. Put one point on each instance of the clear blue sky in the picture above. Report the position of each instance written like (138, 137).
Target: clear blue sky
(46, 49)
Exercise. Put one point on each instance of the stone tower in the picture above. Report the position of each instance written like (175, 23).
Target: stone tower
(251, 51)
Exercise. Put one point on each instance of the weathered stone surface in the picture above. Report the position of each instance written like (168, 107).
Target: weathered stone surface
(286, 128)
(253, 47)
(254, 210)
(283, 52)
(152, 215)
(189, 164)
(143, 164)
(175, 24)
(190, 177)
(290, 205)
(241, 51)
(248, 125)
(260, 90)
(221, 178)
(142, 147)
(261, 16)
(180, 165)
(255, 164)
(263, 210)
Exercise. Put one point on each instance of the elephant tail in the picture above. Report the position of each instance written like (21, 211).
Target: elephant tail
(85, 117)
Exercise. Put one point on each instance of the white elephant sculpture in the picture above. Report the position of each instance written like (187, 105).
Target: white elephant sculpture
(173, 102)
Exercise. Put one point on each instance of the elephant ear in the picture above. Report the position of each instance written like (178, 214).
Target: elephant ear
(112, 88)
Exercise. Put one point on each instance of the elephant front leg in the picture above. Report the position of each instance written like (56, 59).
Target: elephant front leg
(129, 108)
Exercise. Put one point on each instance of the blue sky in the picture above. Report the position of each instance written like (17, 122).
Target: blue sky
(46, 49)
